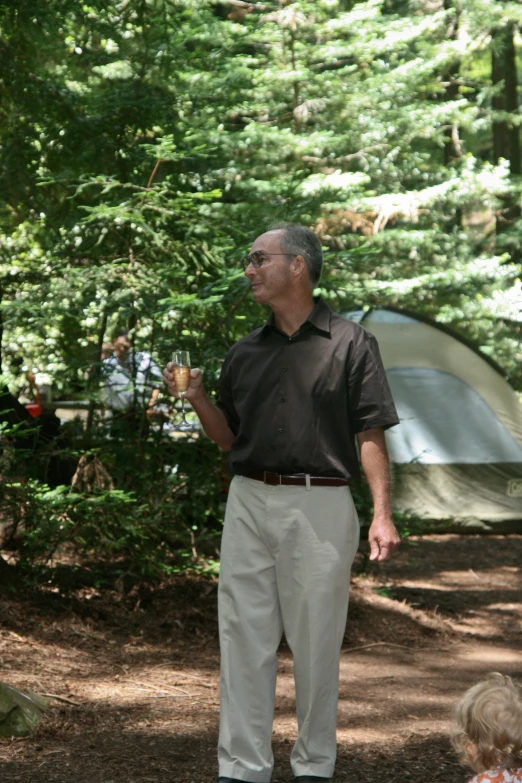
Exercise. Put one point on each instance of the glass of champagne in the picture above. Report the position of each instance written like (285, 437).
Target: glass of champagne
(181, 372)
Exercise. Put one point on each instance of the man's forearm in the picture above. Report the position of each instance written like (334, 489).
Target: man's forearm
(376, 467)
(153, 398)
(382, 535)
(213, 421)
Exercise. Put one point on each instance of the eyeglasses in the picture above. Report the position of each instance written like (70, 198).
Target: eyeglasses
(258, 258)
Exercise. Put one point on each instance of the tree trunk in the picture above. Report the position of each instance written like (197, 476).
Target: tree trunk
(8, 574)
(452, 146)
(95, 375)
(506, 137)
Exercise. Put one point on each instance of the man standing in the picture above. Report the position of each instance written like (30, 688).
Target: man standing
(131, 383)
(293, 397)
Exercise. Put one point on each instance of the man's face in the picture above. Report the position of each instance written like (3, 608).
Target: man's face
(122, 347)
(272, 281)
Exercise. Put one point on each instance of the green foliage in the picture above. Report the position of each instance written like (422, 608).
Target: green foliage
(160, 521)
(143, 145)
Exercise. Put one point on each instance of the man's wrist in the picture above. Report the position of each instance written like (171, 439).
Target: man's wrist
(198, 397)
(381, 520)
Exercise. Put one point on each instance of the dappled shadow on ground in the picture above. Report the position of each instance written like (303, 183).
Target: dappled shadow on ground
(413, 759)
(114, 755)
(136, 669)
(143, 621)
(470, 601)
(432, 555)
(127, 757)
(470, 584)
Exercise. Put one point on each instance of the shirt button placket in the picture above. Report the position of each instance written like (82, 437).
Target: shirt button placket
(282, 398)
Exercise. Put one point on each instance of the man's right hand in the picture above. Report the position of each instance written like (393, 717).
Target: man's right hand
(195, 388)
(212, 418)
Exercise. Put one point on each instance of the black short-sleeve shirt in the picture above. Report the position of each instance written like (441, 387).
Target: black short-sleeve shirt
(295, 403)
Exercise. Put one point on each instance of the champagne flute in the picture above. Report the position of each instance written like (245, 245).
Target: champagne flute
(181, 371)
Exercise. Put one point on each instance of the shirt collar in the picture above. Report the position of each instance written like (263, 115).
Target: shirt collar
(319, 317)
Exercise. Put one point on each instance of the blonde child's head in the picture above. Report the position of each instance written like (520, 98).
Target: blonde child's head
(487, 724)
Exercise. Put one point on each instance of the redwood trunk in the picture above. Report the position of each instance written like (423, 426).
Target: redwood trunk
(506, 136)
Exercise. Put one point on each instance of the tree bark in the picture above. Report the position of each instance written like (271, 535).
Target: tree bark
(8, 574)
(452, 146)
(95, 374)
(506, 136)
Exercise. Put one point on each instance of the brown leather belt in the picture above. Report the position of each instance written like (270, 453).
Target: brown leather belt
(277, 479)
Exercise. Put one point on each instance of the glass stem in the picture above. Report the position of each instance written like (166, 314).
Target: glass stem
(183, 419)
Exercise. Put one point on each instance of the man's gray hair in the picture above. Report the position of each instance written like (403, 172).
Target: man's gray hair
(300, 240)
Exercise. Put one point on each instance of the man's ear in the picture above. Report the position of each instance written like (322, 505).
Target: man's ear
(299, 265)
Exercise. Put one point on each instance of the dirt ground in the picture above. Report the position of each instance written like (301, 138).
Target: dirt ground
(137, 672)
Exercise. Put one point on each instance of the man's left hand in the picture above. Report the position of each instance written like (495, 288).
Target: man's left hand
(383, 538)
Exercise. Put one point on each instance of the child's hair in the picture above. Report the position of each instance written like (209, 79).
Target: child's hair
(487, 724)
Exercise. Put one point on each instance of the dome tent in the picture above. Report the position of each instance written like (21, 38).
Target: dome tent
(458, 448)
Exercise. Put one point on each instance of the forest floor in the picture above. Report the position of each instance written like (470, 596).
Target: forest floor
(137, 672)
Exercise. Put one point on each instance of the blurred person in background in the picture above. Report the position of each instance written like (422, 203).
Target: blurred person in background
(131, 384)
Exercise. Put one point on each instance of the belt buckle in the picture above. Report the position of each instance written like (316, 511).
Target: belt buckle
(270, 483)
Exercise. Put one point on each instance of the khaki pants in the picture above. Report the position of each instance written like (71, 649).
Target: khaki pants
(285, 565)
